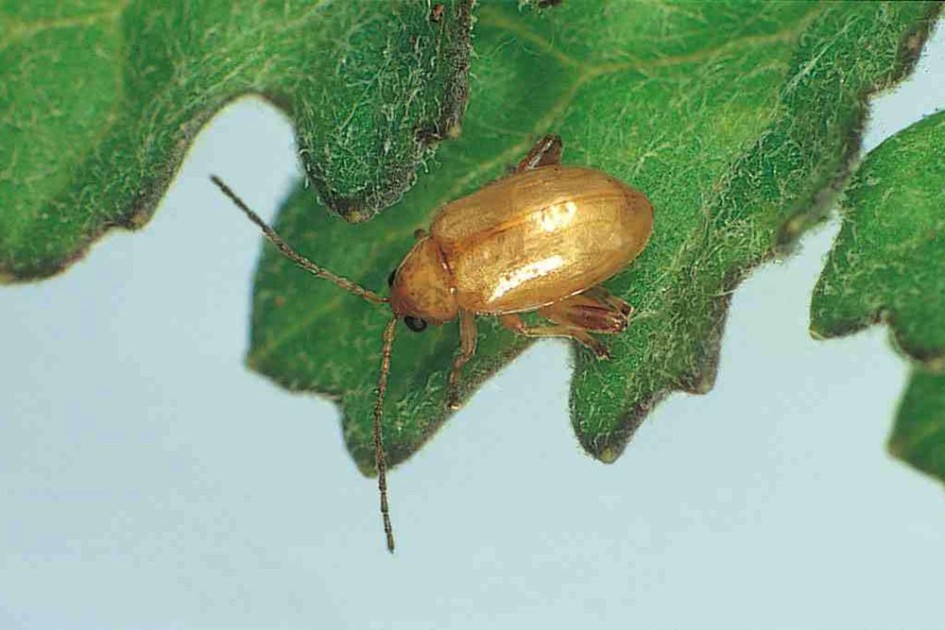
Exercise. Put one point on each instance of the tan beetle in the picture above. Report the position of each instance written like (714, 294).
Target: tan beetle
(542, 239)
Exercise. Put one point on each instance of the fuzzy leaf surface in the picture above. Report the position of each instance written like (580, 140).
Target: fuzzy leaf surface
(888, 264)
(99, 100)
(731, 117)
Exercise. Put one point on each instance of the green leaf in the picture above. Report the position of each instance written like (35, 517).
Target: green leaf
(99, 100)
(919, 434)
(888, 264)
(732, 117)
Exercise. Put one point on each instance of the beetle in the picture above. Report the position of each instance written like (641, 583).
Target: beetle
(542, 240)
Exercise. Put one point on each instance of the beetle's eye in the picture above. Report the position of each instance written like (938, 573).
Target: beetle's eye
(390, 278)
(415, 323)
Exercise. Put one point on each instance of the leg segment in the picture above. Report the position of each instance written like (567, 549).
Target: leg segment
(547, 151)
(467, 348)
(576, 317)
(595, 310)
(514, 322)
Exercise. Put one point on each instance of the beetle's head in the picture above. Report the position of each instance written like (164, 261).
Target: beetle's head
(421, 288)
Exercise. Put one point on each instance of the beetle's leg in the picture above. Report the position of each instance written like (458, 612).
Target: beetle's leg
(467, 348)
(514, 322)
(547, 151)
(595, 310)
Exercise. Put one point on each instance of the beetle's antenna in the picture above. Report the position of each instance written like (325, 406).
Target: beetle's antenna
(293, 255)
(380, 462)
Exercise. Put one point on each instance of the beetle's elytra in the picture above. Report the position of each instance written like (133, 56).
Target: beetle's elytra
(542, 239)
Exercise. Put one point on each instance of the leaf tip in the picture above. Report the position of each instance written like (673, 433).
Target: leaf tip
(352, 211)
(896, 447)
(703, 382)
(365, 467)
(816, 331)
(609, 455)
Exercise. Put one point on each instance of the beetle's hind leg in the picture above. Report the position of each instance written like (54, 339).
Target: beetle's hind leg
(547, 151)
(514, 322)
(595, 310)
(576, 317)
(599, 294)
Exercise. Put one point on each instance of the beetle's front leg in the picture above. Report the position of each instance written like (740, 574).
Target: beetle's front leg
(467, 348)
(547, 151)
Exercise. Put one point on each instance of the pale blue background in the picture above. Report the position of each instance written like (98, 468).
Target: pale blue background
(148, 480)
